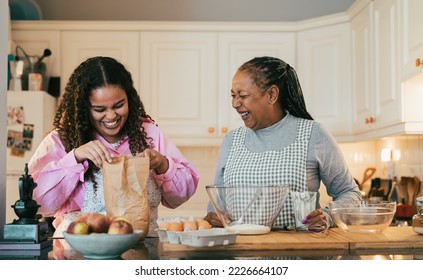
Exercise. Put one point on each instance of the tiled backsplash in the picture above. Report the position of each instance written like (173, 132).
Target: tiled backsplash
(408, 161)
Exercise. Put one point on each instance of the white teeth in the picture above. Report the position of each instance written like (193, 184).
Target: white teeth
(243, 114)
(110, 123)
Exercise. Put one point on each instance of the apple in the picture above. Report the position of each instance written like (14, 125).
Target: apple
(77, 227)
(120, 227)
(119, 218)
(98, 222)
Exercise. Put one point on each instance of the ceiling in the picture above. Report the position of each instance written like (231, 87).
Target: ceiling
(196, 10)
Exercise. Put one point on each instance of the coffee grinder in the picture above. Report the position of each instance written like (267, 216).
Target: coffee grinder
(28, 228)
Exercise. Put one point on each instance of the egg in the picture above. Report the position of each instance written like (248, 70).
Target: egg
(164, 225)
(203, 224)
(190, 225)
(175, 226)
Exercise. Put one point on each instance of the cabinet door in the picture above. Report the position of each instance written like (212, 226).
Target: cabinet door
(235, 48)
(412, 37)
(324, 56)
(362, 69)
(178, 84)
(388, 103)
(77, 46)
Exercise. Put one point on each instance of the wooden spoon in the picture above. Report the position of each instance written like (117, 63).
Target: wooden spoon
(368, 173)
(410, 191)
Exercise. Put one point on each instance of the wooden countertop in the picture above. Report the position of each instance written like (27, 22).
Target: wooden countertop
(393, 239)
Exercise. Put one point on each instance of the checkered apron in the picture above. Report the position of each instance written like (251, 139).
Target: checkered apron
(286, 166)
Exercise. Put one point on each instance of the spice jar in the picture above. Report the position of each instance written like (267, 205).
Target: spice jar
(418, 218)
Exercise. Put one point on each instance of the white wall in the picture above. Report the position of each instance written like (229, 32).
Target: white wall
(4, 26)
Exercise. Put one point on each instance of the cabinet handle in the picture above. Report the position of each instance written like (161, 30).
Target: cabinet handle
(419, 62)
(211, 129)
(369, 120)
(224, 129)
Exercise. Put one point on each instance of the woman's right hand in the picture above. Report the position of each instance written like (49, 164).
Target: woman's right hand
(94, 151)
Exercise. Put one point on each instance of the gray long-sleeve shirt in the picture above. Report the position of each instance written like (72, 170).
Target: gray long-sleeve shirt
(325, 162)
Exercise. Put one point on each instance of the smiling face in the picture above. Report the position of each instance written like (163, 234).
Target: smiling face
(258, 108)
(109, 112)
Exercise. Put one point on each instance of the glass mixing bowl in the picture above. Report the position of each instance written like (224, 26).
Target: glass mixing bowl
(365, 216)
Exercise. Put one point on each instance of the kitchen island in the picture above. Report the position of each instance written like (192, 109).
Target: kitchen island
(393, 243)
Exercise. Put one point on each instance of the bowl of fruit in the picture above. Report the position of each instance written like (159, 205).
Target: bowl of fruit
(98, 236)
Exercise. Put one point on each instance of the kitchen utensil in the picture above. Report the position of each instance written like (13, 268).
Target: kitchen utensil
(304, 203)
(240, 221)
(368, 173)
(16, 68)
(410, 191)
(417, 185)
(367, 216)
(46, 53)
(263, 206)
(402, 188)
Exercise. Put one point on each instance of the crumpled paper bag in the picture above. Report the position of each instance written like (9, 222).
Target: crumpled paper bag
(125, 190)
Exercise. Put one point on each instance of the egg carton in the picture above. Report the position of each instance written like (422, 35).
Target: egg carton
(203, 238)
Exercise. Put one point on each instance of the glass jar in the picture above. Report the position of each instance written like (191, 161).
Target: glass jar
(418, 218)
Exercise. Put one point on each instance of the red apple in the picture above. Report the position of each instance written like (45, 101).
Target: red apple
(120, 227)
(119, 218)
(98, 222)
(78, 228)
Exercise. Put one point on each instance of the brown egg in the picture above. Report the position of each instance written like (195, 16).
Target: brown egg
(164, 225)
(203, 224)
(190, 225)
(175, 226)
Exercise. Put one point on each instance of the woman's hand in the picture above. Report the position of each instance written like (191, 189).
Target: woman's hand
(158, 162)
(214, 220)
(316, 221)
(94, 151)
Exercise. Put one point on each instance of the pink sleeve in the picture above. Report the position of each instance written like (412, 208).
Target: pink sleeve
(180, 181)
(58, 176)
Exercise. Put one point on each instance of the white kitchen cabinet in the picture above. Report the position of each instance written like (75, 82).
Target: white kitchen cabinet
(186, 78)
(325, 75)
(179, 84)
(77, 46)
(362, 69)
(412, 38)
(382, 105)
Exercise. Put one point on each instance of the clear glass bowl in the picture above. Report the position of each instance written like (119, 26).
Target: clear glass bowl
(253, 208)
(366, 216)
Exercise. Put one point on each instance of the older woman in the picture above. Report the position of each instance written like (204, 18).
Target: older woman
(280, 140)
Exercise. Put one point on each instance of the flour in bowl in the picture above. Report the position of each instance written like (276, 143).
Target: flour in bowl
(250, 229)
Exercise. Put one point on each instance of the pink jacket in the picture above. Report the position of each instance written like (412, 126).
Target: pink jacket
(60, 179)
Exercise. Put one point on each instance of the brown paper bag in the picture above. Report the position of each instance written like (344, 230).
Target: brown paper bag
(125, 190)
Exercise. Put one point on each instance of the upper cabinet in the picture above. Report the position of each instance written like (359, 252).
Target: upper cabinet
(179, 84)
(382, 105)
(77, 46)
(324, 73)
(412, 38)
(186, 78)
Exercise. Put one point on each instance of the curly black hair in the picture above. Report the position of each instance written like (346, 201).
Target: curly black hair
(72, 119)
(267, 71)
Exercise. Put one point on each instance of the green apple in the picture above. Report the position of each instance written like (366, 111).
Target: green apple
(77, 227)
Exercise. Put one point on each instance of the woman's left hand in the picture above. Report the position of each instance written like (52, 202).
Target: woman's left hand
(158, 162)
(316, 221)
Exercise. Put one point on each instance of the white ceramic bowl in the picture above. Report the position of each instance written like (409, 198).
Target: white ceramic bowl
(102, 245)
(259, 206)
(363, 216)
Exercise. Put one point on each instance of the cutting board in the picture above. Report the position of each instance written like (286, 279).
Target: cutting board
(336, 240)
